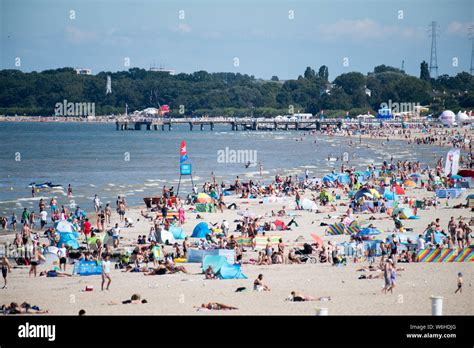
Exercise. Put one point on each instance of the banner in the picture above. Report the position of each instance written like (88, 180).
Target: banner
(452, 162)
(183, 152)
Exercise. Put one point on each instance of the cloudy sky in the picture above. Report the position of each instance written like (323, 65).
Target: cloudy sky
(277, 37)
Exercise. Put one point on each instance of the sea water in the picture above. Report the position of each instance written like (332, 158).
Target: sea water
(97, 159)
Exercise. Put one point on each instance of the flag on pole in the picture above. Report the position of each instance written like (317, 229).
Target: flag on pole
(164, 110)
(183, 152)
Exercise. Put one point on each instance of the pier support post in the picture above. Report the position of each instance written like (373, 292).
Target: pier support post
(275, 125)
(169, 127)
(138, 126)
(162, 127)
(212, 126)
(190, 126)
(321, 311)
(436, 305)
(202, 126)
(148, 126)
(255, 125)
(155, 127)
(297, 127)
(117, 126)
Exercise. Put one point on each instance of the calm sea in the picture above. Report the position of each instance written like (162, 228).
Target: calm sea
(95, 158)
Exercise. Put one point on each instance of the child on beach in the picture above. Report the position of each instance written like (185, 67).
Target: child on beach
(460, 281)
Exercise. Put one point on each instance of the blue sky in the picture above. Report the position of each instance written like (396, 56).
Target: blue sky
(259, 33)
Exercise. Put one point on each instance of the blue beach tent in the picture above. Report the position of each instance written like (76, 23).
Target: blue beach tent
(201, 230)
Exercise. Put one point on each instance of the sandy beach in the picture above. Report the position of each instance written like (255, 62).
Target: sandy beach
(179, 293)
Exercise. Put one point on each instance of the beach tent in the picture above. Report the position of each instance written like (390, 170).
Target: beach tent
(391, 196)
(414, 176)
(280, 225)
(177, 232)
(85, 268)
(260, 241)
(201, 230)
(308, 204)
(399, 190)
(340, 228)
(198, 255)
(343, 178)
(438, 237)
(446, 255)
(328, 178)
(221, 268)
(213, 261)
(50, 258)
(68, 239)
(409, 183)
(203, 198)
(453, 193)
(64, 226)
(363, 192)
(231, 272)
(405, 213)
(164, 237)
(368, 231)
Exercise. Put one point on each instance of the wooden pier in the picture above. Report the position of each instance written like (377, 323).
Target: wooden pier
(234, 123)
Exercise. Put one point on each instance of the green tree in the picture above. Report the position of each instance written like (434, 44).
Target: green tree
(424, 71)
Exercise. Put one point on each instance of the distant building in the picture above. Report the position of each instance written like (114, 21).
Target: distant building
(368, 92)
(81, 71)
(160, 69)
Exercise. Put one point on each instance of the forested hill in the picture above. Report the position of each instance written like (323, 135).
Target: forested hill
(231, 94)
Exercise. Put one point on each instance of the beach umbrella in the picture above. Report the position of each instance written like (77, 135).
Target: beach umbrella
(375, 193)
(203, 198)
(456, 177)
(471, 196)
(409, 183)
(317, 239)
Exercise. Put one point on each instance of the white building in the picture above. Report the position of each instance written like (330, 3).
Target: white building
(160, 69)
(82, 71)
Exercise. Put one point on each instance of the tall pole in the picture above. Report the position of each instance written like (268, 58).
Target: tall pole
(471, 37)
(434, 54)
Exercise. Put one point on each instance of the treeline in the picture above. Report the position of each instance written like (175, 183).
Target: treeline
(230, 94)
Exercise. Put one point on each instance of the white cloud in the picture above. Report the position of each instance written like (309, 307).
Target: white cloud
(183, 28)
(77, 36)
(365, 29)
(459, 28)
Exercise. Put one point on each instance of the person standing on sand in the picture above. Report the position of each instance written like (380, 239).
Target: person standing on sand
(108, 213)
(387, 272)
(69, 190)
(5, 269)
(106, 272)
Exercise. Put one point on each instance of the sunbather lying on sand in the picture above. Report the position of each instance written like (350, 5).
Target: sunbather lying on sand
(135, 299)
(298, 297)
(24, 308)
(215, 306)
